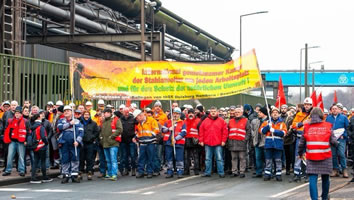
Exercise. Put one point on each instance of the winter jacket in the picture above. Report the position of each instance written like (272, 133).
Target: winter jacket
(43, 140)
(128, 124)
(160, 117)
(91, 130)
(258, 139)
(66, 131)
(17, 130)
(274, 141)
(351, 129)
(107, 137)
(48, 127)
(340, 121)
(5, 118)
(213, 132)
(146, 131)
(239, 145)
(298, 122)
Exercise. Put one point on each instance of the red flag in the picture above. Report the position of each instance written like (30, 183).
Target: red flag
(144, 103)
(320, 102)
(281, 96)
(128, 102)
(335, 100)
(314, 99)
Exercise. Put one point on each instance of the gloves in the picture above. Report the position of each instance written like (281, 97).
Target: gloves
(272, 130)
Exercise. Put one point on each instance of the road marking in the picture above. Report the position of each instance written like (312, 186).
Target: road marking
(155, 186)
(17, 197)
(148, 193)
(201, 194)
(13, 189)
(290, 190)
(52, 190)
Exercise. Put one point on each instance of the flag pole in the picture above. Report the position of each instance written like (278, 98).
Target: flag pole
(73, 116)
(173, 130)
(265, 97)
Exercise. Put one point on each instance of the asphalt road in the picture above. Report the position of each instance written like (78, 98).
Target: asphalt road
(192, 187)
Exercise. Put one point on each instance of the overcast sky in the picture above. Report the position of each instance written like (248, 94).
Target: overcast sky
(278, 35)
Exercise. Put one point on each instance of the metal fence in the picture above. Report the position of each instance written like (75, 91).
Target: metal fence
(39, 81)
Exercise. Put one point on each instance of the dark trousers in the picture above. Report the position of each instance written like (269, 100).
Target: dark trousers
(189, 153)
(87, 157)
(39, 155)
(128, 150)
(289, 156)
(227, 160)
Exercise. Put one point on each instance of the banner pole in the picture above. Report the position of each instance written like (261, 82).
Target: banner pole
(173, 130)
(73, 116)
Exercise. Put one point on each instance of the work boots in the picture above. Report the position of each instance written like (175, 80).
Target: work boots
(65, 179)
(334, 173)
(345, 173)
(89, 176)
(133, 172)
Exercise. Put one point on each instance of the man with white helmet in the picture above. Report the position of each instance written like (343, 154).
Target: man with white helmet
(89, 107)
(174, 139)
(340, 124)
(100, 104)
(146, 131)
(71, 135)
(58, 103)
(300, 119)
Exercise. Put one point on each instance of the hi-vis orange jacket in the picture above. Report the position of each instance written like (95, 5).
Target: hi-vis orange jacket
(146, 131)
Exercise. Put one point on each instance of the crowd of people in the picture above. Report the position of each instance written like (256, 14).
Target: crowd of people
(190, 140)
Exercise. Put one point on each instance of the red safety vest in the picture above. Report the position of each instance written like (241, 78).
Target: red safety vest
(192, 131)
(237, 130)
(317, 141)
(19, 131)
(178, 129)
(39, 139)
(114, 129)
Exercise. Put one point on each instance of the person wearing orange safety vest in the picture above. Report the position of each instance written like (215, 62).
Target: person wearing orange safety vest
(300, 119)
(146, 131)
(316, 140)
(174, 140)
(239, 133)
(192, 148)
(275, 130)
(40, 150)
(15, 135)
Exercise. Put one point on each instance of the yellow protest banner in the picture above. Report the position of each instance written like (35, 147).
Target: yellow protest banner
(162, 80)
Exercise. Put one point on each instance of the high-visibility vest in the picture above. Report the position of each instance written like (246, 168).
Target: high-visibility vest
(237, 130)
(39, 139)
(114, 129)
(317, 141)
(177, 129)
(191, 125)
(19, 131)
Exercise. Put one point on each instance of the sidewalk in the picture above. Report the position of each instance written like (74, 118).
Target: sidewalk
(15, 178)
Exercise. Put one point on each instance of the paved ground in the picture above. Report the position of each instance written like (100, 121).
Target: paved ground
(192, 187)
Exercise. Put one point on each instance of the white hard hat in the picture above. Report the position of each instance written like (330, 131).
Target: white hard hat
(100, 102)
(122, 106)
(345, 109)
(72, 104)
(67, 108)
(88, 103)
(50, 103)
(109, 106)
(352, 109)
(158, 103)
(177, 110)
(136, 113)
(6, 103)
(275, 109)
(339, 105)
(325, 111)
(133, 105)
(59, 103)
(308, 100)
(189, 107)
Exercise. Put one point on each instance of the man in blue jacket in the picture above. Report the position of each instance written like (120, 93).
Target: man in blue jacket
(339, 127)
(68, 143)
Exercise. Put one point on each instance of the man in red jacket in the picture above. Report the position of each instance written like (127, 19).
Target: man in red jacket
(213, 135)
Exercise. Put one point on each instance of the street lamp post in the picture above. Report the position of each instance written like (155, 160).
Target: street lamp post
(312, 47)
(142, 28)
(313, 73)
(255, 13)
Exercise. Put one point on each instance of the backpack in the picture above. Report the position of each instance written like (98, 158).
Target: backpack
(32, 141)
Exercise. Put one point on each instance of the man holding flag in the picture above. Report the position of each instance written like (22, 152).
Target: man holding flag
(175, 131)
(71, 134)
